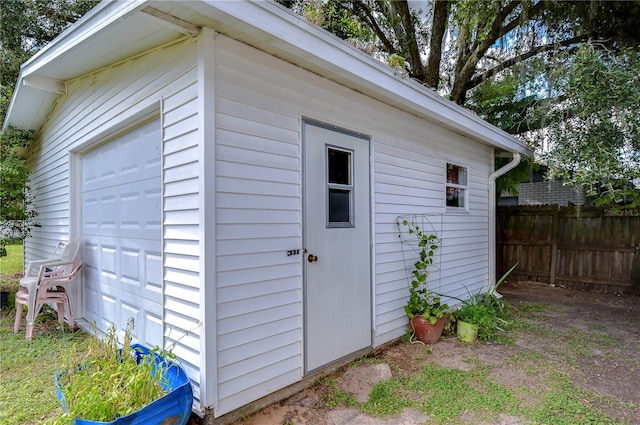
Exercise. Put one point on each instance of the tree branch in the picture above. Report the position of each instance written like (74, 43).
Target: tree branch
(459, 90)
(522, 57)
(410, 43)
(363, 10)
(528, 14)
(519, 113)
(440, 15)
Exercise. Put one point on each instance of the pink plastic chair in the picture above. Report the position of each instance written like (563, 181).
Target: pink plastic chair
(49, 286)
(33, 268)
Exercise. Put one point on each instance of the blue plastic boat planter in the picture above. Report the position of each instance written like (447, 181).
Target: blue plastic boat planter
(172, 408)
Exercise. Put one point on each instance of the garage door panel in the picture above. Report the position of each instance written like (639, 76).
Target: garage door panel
(129, 310)
(133, 212)
(121, 215)
(134, 268)
(153, 329)
(108, 262)
(154, 271)
(131, 157)
(108, 310)
(92, 300)
(130, 265)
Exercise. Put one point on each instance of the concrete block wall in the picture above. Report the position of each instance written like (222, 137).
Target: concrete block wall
(550, 192)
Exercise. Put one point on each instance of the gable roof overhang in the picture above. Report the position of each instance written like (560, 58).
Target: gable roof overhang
(115, 30)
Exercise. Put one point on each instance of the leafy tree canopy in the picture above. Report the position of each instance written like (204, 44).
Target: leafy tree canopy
(17, 213)
(25, 27)
(526, 66)
(593, 134)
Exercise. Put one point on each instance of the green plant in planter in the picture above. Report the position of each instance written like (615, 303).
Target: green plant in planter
(106, 381)
(477, 314)
(423, 302)
(484, 309)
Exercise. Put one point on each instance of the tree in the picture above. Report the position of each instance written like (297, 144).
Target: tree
(25, 27)
(507, 60)
(594, 134)
(17, 212)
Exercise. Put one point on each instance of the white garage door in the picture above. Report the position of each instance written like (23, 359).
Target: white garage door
(121, 230)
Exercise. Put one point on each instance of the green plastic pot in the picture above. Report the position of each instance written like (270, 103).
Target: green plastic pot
(467, 332)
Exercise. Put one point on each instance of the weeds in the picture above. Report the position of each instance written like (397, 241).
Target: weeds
(445, 394)
(107, 381)
(334, 397)
(452, 396)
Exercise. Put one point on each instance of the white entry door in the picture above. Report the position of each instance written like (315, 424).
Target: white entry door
(121, 233)
(337, 254)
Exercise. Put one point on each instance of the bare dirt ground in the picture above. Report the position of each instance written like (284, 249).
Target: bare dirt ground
(592, 338)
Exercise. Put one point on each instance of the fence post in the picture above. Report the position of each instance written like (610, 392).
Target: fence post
(554, 247)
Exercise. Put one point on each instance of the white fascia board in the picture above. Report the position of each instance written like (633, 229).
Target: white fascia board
(292, 34)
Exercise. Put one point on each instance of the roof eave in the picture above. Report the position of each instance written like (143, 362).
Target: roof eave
(21, 113)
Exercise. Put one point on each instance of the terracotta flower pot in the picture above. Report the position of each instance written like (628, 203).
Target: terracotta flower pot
(425, 331)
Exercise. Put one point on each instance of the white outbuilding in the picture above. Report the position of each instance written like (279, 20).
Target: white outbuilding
(236, 175)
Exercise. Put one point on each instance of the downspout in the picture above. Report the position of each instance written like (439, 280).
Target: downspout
(492, 212)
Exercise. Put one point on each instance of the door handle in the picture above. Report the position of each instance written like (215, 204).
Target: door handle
(311, 258)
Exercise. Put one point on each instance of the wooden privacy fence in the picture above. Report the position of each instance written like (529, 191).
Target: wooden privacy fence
(585, 248)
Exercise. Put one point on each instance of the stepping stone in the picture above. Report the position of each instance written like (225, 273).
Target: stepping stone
(358, 381)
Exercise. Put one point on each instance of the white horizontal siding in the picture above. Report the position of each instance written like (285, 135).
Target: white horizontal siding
(181, 227)
(258, 219)
(409, 179)
(259, 103)
(95, 109)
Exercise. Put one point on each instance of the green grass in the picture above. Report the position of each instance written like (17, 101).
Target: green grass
(575, 345)
(445, 394)
(565, 404)
(27, 367)
(335, 398)
(442, 394)
(12, 263)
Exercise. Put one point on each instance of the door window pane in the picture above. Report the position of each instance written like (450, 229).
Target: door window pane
(339, 206)
(339, 187)
(338, 163)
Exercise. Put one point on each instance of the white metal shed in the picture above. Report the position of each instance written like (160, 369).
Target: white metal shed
(235, 174)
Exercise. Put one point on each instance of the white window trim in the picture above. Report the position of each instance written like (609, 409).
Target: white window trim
(465, 187)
